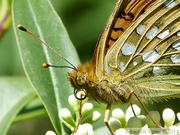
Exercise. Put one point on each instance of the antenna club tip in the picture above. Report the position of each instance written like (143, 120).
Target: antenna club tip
(45, 65)
(21, 27)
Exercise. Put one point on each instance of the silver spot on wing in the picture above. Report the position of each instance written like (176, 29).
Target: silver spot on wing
(178, 33)
(175, 58)
(106, 67)
(176, 45)
(135, 63)
(121, 65)
(140, 29)
(150, 56)
(128, 49)
(169, 4)
(152, 32)
(157, 71)
(163, 34)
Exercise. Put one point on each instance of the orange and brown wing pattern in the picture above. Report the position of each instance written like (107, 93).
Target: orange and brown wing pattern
(123, 16)
(148, 52)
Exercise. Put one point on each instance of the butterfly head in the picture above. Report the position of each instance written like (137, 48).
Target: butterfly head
(82, 80)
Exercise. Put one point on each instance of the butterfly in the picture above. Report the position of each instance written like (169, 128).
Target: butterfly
(137, 56)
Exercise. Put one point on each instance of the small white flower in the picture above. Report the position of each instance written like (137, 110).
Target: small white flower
(50, 133)
(168, 117)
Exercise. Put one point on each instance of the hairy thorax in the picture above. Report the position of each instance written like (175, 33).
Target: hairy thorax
(109, 89)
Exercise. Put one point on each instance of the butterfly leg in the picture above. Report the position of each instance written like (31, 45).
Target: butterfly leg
(132, 109)
(108, 107)
(157, 124)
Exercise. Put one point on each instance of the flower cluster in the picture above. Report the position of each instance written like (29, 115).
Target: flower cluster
(87, 116)
(124, 123)
(127, 124)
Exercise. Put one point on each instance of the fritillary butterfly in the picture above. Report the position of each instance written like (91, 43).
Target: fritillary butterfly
(137, 56)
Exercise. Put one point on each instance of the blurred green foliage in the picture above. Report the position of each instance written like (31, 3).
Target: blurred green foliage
(84, 20)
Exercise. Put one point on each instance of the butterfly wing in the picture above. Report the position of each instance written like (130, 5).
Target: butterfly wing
(123, 15)
(101, 46)
(148, 52)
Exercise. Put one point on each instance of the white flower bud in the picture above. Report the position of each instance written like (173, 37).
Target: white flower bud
(87, 108)
(178, 116)
(122, 132)
(134, 122)
(96, 116)
(168, 117)
(50, 133)
(74, 103)
(114, 124)
(119, 114)
(85, 129)
(66, 116)
(129, 112)
(156, 116)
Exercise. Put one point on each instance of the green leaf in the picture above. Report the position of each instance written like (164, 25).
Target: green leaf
(15, 93)
(51, 84)
(34, 109)
(5, 16)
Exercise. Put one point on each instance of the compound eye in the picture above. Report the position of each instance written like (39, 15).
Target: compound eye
(80, 94)
(81, 80)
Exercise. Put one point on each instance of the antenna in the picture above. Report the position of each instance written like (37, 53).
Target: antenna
(45, 65)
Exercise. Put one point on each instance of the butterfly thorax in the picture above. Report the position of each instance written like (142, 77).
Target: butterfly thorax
(108, 89)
